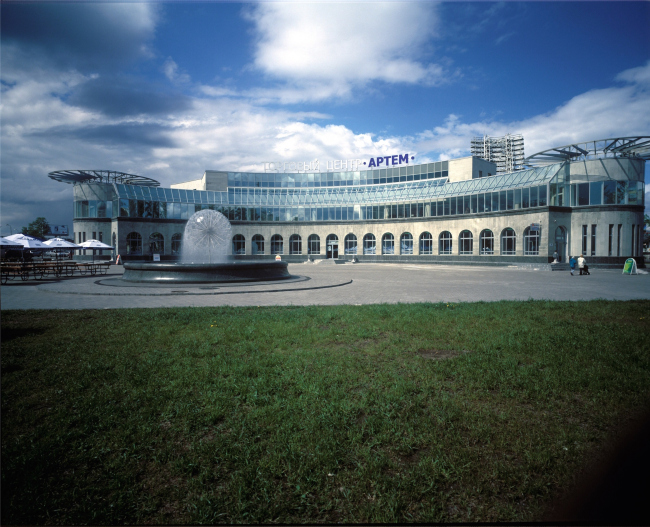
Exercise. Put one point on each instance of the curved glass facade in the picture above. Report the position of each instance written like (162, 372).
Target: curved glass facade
(419, 191)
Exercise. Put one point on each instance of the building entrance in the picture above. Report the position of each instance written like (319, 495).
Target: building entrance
(560, 244)
(333, 249)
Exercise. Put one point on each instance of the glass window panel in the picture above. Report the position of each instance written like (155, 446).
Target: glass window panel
(503, 202)
(533, 196)
(541, 194)
(633, 197)
(620, 192)
(511, 199)
(583, 194)
(525, 198)
(595, 193)
(453, 206)
(517, 198)
(481, 203)
(495, 201)
(609, 192)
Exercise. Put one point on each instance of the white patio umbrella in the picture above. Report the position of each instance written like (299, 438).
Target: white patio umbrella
(59, 244)
(19, 236)
(31, 243)
(94, 245)
(5, 243)
(28, 242)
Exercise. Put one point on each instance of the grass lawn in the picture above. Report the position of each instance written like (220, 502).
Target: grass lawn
(378, 413)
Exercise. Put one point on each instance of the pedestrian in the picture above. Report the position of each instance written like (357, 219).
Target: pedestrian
(555, 257)
(572, 264)
(581, 265)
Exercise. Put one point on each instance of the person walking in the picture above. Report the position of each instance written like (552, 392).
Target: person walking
(555, 257)
(572, 264)
(581, 264)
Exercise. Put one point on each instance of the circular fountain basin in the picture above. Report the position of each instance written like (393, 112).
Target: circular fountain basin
(185, 273)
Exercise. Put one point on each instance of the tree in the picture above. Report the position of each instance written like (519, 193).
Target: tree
(39, 227)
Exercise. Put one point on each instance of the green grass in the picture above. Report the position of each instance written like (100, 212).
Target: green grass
(311, 414)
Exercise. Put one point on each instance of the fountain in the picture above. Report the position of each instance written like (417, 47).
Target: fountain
(205, 258)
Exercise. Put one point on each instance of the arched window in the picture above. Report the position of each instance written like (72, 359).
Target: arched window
(350, 244)
(176, 244)
(531, 242)
(156, 243)
(406, 243)
(508, 242)
(133, 243)
(257, 244)
(369, 244)
(295, 244)
(426, 243)
(313, 244)
(445, 243)
(277, 246)
(486, 242)
(238, 244)
(387, 244)
(332, 238)
(465, 243)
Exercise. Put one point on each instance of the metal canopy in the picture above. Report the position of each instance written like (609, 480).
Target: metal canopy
(101, 176)
(354, 195)
(636, 147)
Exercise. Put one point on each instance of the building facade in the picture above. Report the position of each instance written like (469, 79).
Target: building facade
(447, 211)
(506, 152)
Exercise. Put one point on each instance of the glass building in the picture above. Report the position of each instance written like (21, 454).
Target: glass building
(445, 211)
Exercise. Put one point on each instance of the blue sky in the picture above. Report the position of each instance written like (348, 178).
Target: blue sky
(168, 90)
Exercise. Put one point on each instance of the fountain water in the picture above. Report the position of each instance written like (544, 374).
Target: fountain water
(207, 238)
(206, 258)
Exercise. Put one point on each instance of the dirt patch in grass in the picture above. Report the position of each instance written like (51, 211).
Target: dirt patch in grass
(435, 354)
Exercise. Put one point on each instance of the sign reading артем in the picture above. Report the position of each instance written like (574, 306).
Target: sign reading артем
(338, 164)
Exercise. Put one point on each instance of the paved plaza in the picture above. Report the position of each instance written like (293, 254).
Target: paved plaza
(333, 285)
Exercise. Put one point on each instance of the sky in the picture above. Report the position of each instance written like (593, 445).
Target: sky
(168, 90)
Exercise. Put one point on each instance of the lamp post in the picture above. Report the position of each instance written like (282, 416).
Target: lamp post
(10, 228)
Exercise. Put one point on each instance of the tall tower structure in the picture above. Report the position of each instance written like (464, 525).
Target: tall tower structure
(506, 152)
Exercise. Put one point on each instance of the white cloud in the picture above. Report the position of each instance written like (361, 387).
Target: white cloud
(640, 75)
(324, 50)
(170, 69)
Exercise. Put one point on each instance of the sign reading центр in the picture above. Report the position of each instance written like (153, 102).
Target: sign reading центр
(338, 164)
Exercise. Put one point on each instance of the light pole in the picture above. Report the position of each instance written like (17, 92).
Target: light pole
(10, 228)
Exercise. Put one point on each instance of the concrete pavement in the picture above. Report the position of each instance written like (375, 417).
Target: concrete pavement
(332, 285)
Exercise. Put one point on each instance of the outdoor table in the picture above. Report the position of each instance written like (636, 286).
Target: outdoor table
(11, 270)
(93, 267)
(39, 270)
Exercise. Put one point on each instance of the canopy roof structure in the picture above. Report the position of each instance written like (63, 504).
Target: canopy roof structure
(101, 176)
(396, 192)
(631, 147)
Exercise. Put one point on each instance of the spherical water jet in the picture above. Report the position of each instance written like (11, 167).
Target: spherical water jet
(207, 238)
